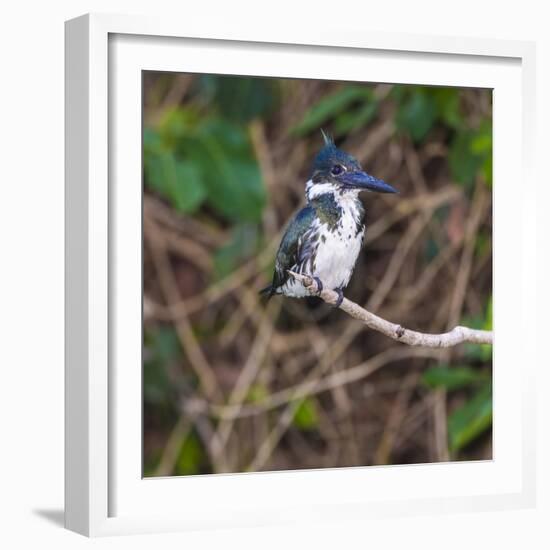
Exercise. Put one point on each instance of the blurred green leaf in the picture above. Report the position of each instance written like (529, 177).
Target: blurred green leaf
(487, 170)
(348, 121)
(482, 146)
(230, 171)
(150, 462)
(472, 151)
(482, 140)
(481, 143)
(152, 144)
(471, 420)
(189, 159)
(329, 106)
(488, 324)
(399, 93)
(204, 87)
(306, 416)
(165, 344)
(242, 99)
(478, 352)
(463, 163)
(156, 385)
(483, 244)
(452, 378)
(175, 124)
(448, 106)
(191, 457)
(486, 352)
(176, 180)
(187, 189)
(161, 347)
(416, 114)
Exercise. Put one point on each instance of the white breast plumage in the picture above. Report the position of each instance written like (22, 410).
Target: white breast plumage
(336, 250)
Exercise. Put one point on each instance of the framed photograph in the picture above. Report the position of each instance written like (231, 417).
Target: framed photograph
(293, 282)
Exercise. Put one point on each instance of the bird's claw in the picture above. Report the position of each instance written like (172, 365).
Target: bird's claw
(319, 284)
(340, 298)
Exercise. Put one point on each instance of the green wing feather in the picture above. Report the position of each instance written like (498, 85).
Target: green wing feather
(289, 253)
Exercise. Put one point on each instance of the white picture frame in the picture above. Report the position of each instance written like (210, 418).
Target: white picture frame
(105, 493)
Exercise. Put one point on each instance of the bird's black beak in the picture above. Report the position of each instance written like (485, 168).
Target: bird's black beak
(364, 181)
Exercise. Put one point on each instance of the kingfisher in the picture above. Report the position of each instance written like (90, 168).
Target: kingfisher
(324, 238)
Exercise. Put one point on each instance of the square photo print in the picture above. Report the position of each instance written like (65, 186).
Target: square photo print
(317, 274)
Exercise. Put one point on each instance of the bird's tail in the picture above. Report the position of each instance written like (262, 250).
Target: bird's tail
(269, 290)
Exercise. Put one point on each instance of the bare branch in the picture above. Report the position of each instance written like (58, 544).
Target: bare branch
(455, 336)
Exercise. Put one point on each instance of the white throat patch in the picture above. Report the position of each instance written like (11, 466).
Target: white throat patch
(314, 190)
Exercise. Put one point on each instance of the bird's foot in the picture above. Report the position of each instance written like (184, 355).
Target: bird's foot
(340, 298)
(319, 285)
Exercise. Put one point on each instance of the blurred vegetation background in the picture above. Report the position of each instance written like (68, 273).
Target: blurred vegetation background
(232, 383)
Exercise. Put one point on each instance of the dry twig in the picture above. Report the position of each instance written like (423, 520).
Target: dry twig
(457, 335)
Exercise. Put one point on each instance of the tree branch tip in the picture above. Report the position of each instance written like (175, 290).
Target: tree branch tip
(458, 335)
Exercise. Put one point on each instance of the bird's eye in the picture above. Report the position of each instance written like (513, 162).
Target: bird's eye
(337, 169)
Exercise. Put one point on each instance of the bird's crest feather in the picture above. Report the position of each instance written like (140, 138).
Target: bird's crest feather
(327, 138)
